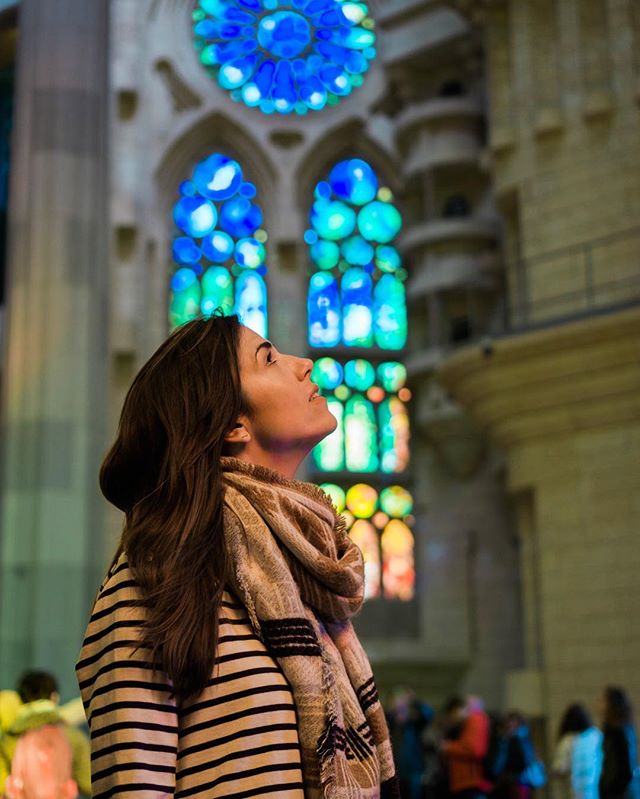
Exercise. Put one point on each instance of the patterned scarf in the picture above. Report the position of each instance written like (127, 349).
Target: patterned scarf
(301, 579)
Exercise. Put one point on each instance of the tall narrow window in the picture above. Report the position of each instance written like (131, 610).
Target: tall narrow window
(356, 301)
(219, 251)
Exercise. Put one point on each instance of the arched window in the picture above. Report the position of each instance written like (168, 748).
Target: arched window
(219, 252)
(356, 299)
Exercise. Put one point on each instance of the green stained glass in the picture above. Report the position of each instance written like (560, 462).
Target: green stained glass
(392, 375)
(359, 374)
(217, 290)
(185, 305)
(361, 435)
(336, 495)
(390, 313)
(396, 501)
(327, 373)
(328, 455)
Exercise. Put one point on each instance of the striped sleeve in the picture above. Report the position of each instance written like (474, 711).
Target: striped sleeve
(132, 716)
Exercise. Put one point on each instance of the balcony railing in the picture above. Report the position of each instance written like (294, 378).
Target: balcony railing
(596, 276)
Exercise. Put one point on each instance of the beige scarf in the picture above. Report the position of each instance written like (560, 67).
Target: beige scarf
(301, 579)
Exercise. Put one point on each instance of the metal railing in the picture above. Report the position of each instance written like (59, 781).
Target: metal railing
(584, 268)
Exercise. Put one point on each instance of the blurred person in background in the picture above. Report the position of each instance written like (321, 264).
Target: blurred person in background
(577, 760)
(518, 769)
(408, 718)
(41, 767)
(465, 754)
(619, 778)
(38, 691)
(10, 703)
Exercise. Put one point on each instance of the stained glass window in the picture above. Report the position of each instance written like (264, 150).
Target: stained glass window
(285, 56)
(380, 524)
(358, 297)
(373, 422)
(220, 239)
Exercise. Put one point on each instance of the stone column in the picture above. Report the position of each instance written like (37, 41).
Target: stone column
(55, 343)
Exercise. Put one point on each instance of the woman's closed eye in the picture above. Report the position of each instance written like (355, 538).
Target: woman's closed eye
(270, 358)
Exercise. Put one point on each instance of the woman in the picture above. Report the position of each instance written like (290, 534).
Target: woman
(577, 761)
(620, 763)
(220, 660)
(519, 770)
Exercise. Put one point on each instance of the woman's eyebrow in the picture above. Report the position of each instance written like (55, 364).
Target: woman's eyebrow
(263, 345)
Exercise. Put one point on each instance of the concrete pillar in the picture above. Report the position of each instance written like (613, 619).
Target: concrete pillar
(54, 367)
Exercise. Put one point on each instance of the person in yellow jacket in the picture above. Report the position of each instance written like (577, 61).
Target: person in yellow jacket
(38, 692)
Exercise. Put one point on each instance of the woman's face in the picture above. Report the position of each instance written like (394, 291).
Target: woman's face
(287, 413)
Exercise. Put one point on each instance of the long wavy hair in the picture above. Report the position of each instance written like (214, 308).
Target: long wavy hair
(163, 471)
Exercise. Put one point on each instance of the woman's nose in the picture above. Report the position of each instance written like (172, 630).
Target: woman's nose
(305, 367)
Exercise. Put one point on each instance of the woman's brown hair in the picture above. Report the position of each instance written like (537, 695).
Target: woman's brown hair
(163, 471)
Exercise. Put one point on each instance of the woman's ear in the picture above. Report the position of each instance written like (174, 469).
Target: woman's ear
(239, 434)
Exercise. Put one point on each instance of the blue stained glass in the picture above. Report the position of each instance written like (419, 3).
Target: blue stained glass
(323, 190)
(251, 302)
(318, 6)
(186, 251)
(313, 94)
(327, 373)
(356, 63)
(379, 221)
(357, 308)
(182, 279)
(357, 251)
(323, 309)
(310, 236)
(250, 253)
(354, 181)
(284, 91)
(323, 43)
(339, 55)
(209, 29)
(218, 177)
(264, 77)
(187, 188)
(218, 247)
(239, 217)
(196, 216)
(285, 34)
(335, 80)
(237, 72)
(390, 313)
